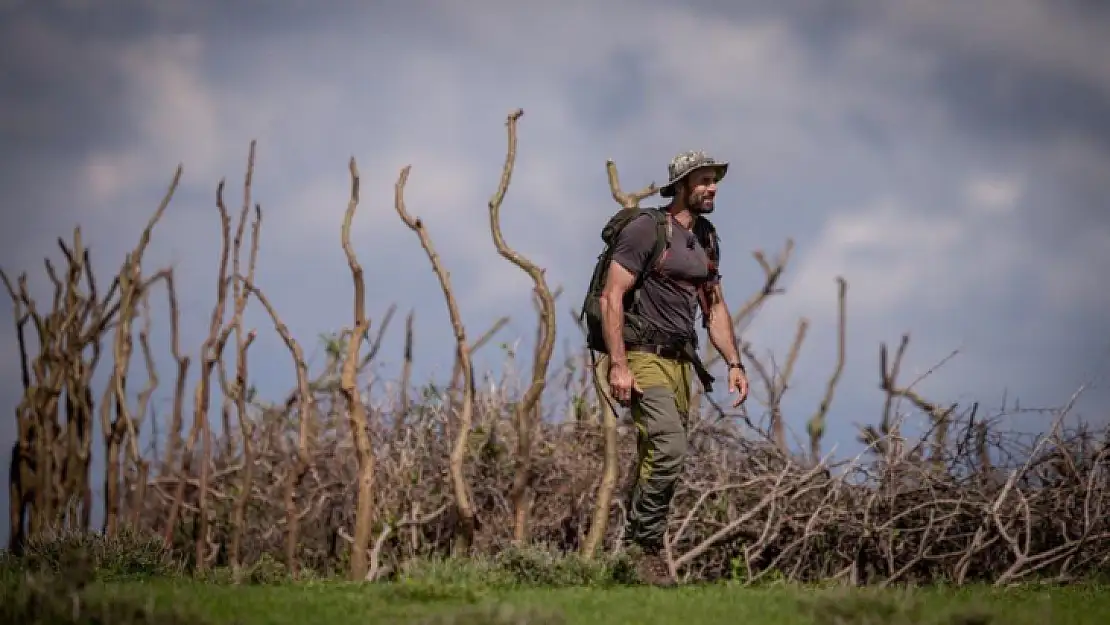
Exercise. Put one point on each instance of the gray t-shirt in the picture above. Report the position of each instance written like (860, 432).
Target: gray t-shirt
(669, 302)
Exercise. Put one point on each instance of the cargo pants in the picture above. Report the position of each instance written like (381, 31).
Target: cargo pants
(660, 413)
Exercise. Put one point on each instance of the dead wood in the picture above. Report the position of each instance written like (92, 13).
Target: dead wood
(464, 509)
(967, 501)
(525, 417)
(235, 393)
(815, 427)
(122, 428)
(349, 383)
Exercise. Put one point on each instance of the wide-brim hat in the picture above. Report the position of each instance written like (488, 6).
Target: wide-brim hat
(686, 162)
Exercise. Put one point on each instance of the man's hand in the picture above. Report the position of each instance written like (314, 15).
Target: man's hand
(737, 381)
(621, 383)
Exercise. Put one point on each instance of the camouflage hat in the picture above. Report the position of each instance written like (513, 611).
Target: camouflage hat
(686, 162)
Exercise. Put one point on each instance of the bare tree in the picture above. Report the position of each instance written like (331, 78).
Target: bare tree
(777, 383)
(524, 416)
(355, 409)
(464, 508)
(406, 373)
(49, 471)
(122, 427)
(306, 410)
(177, 419)
(235, 393)
(815, 427)
(201, 401)
(139, 473)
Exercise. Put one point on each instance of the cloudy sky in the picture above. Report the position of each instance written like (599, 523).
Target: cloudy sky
(949, 158)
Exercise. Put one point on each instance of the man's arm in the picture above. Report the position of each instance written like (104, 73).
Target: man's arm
(631, 251)
(720, 323)
(618, 281)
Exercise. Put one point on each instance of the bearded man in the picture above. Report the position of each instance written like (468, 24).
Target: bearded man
(659, 268)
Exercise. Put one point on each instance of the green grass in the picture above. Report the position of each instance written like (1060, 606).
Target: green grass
(337, 603)
(84, 579)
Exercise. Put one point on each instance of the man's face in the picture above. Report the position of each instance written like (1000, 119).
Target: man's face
(700, 188)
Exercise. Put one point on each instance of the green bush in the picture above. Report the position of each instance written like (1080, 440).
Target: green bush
(536, 566)
(532, 566)
(266, 571)
(129, 554)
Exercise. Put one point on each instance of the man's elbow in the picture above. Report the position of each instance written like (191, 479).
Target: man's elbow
(612, 299)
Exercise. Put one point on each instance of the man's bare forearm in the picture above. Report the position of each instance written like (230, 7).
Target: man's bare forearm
(721, 333)
(612, 329)
(723, 338)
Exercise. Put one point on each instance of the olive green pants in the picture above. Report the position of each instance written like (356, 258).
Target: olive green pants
(660, 413)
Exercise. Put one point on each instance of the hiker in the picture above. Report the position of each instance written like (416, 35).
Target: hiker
(659, 266)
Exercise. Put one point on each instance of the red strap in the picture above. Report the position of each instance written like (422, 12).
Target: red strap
(703, 295)
(658, 268)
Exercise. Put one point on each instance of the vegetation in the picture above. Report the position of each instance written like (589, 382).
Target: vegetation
(84, 579)
(512, 491)
(343, 604)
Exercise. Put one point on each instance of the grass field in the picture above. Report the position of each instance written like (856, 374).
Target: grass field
(336, 603)
(87, 579)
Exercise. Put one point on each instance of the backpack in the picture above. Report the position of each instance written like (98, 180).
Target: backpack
(636, 328)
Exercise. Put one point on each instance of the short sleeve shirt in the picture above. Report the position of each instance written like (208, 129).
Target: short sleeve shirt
(668, 299)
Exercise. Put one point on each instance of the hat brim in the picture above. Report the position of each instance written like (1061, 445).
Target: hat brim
(667, 190)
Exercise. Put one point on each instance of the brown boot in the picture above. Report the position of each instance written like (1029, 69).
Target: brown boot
(651, 568)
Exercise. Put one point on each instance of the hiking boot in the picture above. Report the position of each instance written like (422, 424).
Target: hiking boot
(652, 569)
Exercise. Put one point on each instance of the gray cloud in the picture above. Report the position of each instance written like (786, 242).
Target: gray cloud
(948, 163)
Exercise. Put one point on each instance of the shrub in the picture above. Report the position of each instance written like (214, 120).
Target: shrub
(531, 566)
(129, 554)
(538, 566)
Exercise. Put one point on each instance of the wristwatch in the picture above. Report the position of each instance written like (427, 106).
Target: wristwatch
(737, 365)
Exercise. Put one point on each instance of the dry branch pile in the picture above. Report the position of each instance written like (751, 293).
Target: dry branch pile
(333, 479)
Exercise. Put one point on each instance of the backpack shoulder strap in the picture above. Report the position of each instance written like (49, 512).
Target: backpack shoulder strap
(663, 233)
(622, 218)
(706, 235)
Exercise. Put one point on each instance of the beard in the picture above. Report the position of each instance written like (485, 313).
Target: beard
(699, 203)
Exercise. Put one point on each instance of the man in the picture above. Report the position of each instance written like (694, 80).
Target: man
(654, 375)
